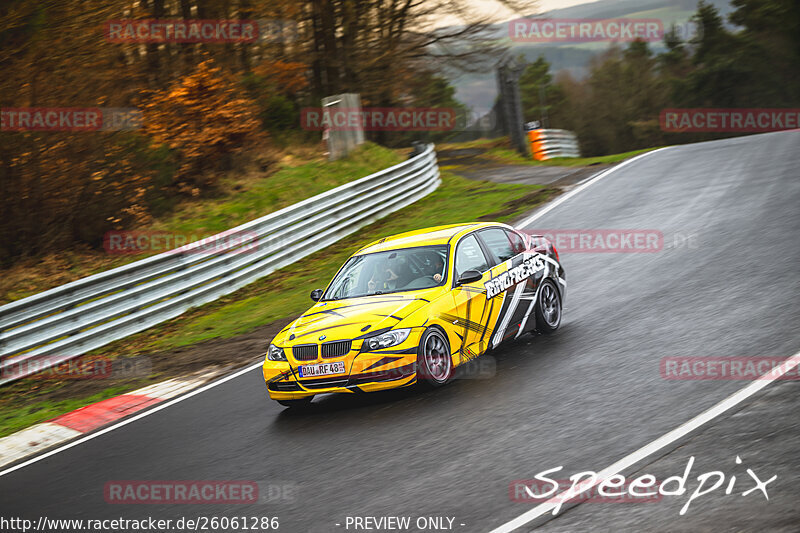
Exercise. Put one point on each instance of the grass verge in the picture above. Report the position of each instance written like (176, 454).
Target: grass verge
(244, 198)
(494, 151)
(277, 297)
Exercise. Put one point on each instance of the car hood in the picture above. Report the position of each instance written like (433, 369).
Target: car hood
(350, 319)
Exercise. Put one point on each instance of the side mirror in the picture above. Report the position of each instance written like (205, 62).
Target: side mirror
(468, 276)
(316, 294)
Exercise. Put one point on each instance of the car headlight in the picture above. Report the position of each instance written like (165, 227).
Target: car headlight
(275, 354)
(391, 338)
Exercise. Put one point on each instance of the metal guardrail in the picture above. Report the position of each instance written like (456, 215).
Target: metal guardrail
(63, 323)
(547, 144)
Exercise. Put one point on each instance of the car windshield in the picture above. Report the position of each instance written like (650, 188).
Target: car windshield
(402, 270)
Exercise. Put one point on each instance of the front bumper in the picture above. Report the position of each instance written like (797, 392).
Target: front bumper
(371, 371)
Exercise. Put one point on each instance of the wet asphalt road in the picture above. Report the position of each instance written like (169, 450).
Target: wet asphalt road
(725, 284)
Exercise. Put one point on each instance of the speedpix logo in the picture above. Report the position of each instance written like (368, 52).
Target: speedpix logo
(528, 268)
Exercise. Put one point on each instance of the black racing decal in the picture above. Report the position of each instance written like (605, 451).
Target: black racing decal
(381, 301)
(488, 318)
(469, 324)
(390, 374)
(325, 312)
(502, 313)
(312, 320)
(508, 279)
(325, 329)
(382, 361)
(466, 324)
(283, 376)
(380, 331)
(382, 351)
(389, 316)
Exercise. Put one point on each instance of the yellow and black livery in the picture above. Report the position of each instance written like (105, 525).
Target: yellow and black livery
(414, 307)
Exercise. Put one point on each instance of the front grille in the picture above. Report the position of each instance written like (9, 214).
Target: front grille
(324, 383)
(336, 349)
(305, 352)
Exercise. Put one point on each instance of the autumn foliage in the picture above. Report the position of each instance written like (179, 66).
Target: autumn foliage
(204, 120)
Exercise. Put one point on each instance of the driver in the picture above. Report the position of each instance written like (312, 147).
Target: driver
(384, 278)
(437, 269)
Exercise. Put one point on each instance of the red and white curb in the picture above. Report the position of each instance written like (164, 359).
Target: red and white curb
(40, 437)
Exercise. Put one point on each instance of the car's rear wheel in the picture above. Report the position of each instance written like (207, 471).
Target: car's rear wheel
(302, 402)
(548, 308)
(434, 364)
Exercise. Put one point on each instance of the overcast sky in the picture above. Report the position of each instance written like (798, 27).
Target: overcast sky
(493, 7)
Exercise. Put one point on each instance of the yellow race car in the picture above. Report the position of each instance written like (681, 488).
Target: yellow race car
(413, 307)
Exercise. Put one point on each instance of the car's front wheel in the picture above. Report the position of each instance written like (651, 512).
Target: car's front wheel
(434, 364)
(548, 308)
(303, 402)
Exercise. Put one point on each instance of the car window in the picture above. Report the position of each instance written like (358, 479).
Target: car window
(469, 256)
(517, 242)
(497, 242)
(405, 269)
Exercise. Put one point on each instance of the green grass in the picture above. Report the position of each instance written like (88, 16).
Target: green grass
(285, 292)
(243, 198)
(14, 417)
(499, 150)
(287, 186)
(506, 155)
(280, 295)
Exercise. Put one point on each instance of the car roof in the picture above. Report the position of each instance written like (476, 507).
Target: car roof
(423, 237)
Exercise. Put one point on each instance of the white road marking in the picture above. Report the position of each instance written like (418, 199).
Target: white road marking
(658, 444)
(134, 418)
(560, 200)
(204, 388)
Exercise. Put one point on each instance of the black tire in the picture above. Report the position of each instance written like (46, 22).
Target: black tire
(548, 308)
(434, 363)
(296, 404)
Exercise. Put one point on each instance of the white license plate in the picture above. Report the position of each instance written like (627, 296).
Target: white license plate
(322, 369)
